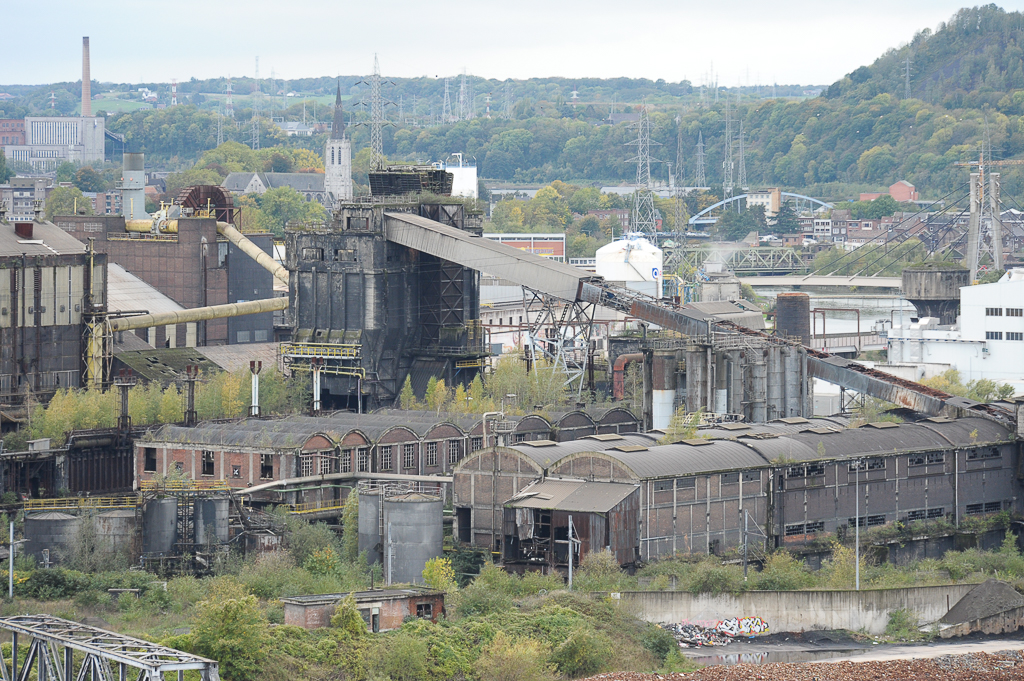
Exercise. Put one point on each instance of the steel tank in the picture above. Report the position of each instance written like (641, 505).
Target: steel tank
(115, 530)
(413, 535)
(55, 531)
(160, 525)
(210, 520)
(793, 316)
(369, 524)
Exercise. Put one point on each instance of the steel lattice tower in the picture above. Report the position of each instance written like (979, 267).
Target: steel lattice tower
(727, 165)
(463, 99)
(701, 180)
(644, 219)
(678, 205)
(376, 119)
(446, 110)
(507, 100)
(743, 162)
(257, 109)
(230, 105)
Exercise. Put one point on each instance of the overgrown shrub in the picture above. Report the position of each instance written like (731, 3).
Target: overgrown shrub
(783, 572)
(583, 653)
(506, 659)
(709, 576)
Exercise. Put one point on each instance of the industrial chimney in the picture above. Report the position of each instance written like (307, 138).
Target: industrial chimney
(86, 79)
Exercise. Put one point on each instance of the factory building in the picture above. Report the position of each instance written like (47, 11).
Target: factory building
(52, 140)
(49, 287)
(391, 444)
(194, 266)
(790, 480)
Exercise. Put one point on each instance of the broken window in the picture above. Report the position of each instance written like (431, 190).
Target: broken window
(150, 460)
(207, 463)
(266, 467)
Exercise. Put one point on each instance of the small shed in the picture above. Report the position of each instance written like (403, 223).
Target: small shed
(536, 523)
(382, 609)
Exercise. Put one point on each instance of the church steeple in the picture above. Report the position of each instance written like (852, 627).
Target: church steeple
(338, 129)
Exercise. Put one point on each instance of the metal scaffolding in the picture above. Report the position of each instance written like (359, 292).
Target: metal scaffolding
(560, 333)
(60, 650)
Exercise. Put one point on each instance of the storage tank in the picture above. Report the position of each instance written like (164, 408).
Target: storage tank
(160, 525)
(793, 316)
(633, 260)
(115, 530)
(369, 524)
(416, 534)
(210, 520)
(663, 373)
(55, 531)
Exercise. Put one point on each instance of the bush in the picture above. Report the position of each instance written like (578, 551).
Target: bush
(230, 627)
(711, 577)
(404, 658)
(584, 653)
(305, 539)
(783, 572)
(599, 571)
(505, 659)
(903, 625)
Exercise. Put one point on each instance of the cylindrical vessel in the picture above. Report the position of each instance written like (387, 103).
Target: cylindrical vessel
(115, 530)
(160, 525)
(793, 316)
(413, 535)
(55, 531)
(210, 520)
(369, 524)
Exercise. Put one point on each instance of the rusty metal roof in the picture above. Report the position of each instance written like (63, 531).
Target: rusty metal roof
(572, 495)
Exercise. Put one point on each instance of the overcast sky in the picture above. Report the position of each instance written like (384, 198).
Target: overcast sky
(748, 41)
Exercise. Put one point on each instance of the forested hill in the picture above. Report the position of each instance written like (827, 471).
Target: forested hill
(971, 61)
(862, 133)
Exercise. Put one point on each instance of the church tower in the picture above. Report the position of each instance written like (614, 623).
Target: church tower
(338, 158)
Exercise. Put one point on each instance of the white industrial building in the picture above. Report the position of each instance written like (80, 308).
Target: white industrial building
(51, 140)
(986, 342)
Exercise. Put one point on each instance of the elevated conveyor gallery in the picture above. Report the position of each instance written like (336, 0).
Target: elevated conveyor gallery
(566, 282)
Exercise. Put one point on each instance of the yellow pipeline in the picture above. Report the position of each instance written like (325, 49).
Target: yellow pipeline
(198, 314)
(253, 251)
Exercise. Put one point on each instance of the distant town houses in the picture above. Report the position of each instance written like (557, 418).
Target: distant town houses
(310, 185)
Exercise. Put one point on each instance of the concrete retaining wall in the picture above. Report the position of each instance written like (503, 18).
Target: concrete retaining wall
(866, 610)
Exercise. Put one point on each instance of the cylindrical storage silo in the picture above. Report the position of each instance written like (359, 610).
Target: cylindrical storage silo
(210, 522)
(413, 534)
(115, 530)
(793, 316)
(55, 531)
(664, 389)
(369, 524)
(160, 525)
(632, 260)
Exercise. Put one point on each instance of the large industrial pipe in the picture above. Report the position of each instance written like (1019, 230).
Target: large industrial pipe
(619, 373)
(253, 251)
(198, 314)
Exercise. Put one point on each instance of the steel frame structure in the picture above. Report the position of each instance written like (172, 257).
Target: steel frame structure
(61, 650)
(760, 259)
(560, 332)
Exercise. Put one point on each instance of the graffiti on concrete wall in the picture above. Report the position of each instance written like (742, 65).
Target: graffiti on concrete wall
(743, 626)
(716, 632)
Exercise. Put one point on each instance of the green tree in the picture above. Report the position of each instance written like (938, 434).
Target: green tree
(507, 216)
(350, 528)
(785, 221)
(281, 205)
(230, 627)
(6, 173)
(65, 201)
(407, 398)
(89, 180)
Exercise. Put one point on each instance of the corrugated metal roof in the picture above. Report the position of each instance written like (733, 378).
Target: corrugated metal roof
(47, 239)
(235, 357)
(484, 255)
(572, 495)
(683, 459)
(125, 291)
(545, 457)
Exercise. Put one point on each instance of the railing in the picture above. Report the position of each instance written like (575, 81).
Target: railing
(80, 503)
(316, 506)
(468, 363)
(184, 485)
(326, 350)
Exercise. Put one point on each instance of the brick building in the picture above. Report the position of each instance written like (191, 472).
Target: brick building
(381, 609)
(12, 132)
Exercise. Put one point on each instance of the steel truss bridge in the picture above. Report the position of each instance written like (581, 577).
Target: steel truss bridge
(60, 650)
(748, 260)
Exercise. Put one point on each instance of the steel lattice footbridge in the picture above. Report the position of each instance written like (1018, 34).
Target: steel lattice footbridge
(56, 649)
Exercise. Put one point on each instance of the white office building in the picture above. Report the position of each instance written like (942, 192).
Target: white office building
(986, 342)
(51, 140)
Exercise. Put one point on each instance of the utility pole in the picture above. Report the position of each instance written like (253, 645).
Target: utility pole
(856, 541)
(974, 228)
(743, 163)
(570, 553)
(996, 229)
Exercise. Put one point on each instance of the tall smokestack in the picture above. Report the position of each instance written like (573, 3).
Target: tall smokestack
(86, 79)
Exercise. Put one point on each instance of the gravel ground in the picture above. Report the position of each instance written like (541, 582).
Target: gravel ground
(1000, 666)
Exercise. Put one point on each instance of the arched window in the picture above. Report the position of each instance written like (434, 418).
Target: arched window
(332, 155)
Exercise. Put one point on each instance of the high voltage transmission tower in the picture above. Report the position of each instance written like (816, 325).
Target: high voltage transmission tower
(376, 119)
(644, 218)
(230, 105)
(463, 99)
(727, 164)
(507, 100)
(743, 163)
(701, 180)
(678, 205)
(257, 109)
(446, 110)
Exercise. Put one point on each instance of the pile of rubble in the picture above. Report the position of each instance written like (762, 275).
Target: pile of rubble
(693, 635)
(1004, 666)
